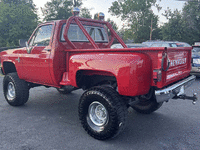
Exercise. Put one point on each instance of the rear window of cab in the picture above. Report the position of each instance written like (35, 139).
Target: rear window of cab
(75, 34)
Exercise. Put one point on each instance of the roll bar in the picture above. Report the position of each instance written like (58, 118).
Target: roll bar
(78, 22)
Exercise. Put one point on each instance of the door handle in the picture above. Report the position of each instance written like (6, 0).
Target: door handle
(18, 59)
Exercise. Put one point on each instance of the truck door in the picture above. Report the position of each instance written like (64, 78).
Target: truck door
(36, 63)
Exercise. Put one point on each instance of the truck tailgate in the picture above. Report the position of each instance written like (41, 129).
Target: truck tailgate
(179, 61)
(169, 64)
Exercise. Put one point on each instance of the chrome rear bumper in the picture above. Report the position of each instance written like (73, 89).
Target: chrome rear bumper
(174, 90)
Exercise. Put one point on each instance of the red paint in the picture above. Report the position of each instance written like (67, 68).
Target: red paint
(57, 64)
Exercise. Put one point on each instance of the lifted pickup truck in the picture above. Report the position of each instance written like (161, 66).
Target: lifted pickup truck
(75, 53)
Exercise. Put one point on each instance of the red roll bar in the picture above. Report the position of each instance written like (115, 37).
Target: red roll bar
(78, 22)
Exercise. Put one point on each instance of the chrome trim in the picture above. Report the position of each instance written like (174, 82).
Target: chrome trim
(173, 90)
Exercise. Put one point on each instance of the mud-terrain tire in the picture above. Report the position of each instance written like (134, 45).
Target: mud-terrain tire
(16, 91)
(102, 112)
(66, 90)
(147, 106)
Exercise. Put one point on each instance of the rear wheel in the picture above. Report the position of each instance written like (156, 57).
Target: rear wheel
(147, 104)
(16, 91)
(102, 112)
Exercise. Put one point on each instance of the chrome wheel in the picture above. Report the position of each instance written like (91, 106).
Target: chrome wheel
(11, 91)
(102, 112)
(15, 90)
(98, 114)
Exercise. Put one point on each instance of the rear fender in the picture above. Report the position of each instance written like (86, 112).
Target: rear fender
(132, 71)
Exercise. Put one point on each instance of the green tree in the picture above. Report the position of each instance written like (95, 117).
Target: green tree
(191, 19)
(114, 25)
(96, 16)
(17, 2)
(59, 9)
(138, 16)
(174, 29)
(85, 13)
(17, 21)
(183, 26)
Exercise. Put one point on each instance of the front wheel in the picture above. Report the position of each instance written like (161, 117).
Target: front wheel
(16, 91)
(102, 112)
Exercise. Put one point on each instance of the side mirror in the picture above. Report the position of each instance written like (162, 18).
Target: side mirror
(22, 42)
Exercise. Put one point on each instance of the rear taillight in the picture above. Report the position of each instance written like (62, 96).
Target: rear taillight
(157, 75)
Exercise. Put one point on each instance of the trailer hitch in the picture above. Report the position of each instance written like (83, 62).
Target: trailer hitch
(184, 96)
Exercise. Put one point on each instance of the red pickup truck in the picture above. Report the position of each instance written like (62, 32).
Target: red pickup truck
(75, 53)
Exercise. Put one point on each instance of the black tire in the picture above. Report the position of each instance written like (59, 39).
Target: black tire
(147, 106)
(16, 91)
(110, 120)
(66, 90)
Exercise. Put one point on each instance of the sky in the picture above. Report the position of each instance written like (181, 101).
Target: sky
(103, 6)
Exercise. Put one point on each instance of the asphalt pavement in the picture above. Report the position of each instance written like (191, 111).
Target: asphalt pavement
(49, 121)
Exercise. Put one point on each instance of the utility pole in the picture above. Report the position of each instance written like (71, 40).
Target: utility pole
(151, 30)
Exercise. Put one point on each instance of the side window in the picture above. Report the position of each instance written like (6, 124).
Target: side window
(42, 36)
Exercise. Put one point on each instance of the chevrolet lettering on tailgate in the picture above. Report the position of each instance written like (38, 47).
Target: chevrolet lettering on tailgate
(178, 62)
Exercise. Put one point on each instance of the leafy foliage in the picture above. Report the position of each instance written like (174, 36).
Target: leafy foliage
(96, 16)
(174, 29)
(138, 16)
(18, 2)
(183, 26)
(191, 19)
(114, 25)
(59, 9)
(85, 13)
(18, 19)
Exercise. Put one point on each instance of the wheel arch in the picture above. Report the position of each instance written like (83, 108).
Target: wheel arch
(9, 67)
(89, 78)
